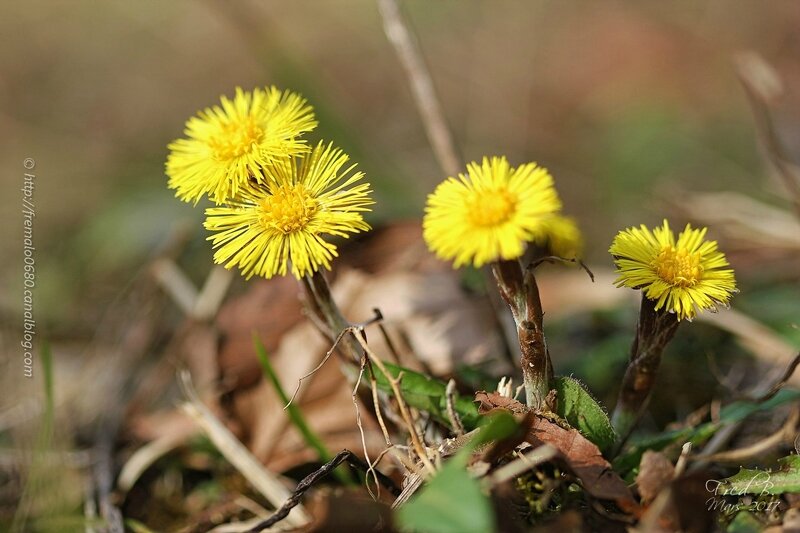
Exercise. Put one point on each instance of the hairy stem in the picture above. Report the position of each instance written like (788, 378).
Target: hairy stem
(653, 332)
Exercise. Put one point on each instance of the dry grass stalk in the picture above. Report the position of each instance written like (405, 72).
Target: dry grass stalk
(235, 452)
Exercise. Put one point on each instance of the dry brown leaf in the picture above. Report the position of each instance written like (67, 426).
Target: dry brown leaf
(581, 456)
(348, 510)
(656, 472)
(493, 400)
(584, 459)
(270, 308)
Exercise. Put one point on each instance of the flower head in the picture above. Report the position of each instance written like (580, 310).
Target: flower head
(489, 213)
(560, 235)
(227, 147)
(682, 276)
(283, 221)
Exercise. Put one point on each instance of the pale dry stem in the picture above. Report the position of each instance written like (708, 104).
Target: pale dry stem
(394, 383)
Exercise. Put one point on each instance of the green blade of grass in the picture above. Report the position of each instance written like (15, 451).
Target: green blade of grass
(295, 416)
(37, 472)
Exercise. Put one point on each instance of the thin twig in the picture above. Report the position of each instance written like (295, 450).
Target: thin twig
(455, 420)
(522, 464)
(778, 385)
(755, 397)
(683, 460)
(422, 88)
(558, 259)
(360, 426)
(759, 448)
(389, 342)
(373, 383)
(762, 84)
(174, 281)
(309, 481)
(401, 403)
(722, 436)
(212, 293)
(320, 365)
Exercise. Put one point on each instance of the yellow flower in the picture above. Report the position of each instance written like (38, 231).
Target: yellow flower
(682, 276)
(560, 235)
(227, 148)
(283, 221)
(490, 213)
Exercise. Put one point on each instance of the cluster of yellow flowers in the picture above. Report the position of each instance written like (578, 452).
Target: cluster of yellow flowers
(493, 211)
(276, 196)
(277, 199)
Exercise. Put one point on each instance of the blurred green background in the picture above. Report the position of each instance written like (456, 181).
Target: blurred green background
(622, 101)
(627, 104)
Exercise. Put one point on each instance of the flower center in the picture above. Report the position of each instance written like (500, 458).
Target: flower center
(490, 208)
(236, 138)
(289, 208)
(679, 268)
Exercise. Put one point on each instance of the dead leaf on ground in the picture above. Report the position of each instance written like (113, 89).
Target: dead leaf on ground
(656, 472)
(493, 400)
(684, 504)
(346, 510)
(581, 456)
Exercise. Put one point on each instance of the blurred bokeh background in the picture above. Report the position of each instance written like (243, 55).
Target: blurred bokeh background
(634, 107)
(621, 101)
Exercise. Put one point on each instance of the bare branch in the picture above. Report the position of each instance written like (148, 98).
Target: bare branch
(309, 481)
(422, 88)
(762, 85)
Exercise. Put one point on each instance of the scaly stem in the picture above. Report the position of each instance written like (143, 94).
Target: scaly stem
(653, 332)
(519, 289)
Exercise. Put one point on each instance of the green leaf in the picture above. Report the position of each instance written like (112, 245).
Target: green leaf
(745, 522)
(762, 482)
(583, 412)
(428, 394)
(730, 414)
(497, 426)
(452, 502)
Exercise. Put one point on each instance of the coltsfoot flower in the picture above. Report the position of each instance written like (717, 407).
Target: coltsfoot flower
(490, 213)
(560, 235)
(228, 147)
(281, 225)
(681, 276)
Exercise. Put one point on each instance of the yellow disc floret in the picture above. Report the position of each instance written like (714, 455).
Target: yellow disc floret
(490, 208)
(289, 208)
(679, 268)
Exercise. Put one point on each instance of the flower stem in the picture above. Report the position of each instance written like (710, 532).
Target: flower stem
(519, 290)
(320, 301)
(653, 332)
